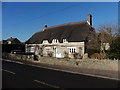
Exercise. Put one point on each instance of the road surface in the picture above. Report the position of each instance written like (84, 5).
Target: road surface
(16, 75)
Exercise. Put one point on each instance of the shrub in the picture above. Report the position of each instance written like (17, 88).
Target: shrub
(66, 55)
(115, 49)
(35, 57)
(112, 55)
(77, 63)
(91, 51)
(50, 54)
(99, 56)
(75, 55)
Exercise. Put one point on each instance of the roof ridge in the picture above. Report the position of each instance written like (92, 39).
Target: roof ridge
(66, 24)
(84, 21)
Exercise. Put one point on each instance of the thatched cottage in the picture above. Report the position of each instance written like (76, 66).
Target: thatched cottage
(66, 40)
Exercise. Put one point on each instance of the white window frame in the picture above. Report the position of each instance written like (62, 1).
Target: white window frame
(65, 41)
(45, 42)
(72, 50)
(55, 41)
(9, 42)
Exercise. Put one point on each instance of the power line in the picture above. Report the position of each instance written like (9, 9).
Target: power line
(47, 14)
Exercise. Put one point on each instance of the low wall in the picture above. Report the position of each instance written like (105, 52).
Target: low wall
(17, 56)
(103, 64)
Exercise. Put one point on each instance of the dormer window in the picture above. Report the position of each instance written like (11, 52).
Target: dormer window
(45, 42)
(55, 41)
(65, 41)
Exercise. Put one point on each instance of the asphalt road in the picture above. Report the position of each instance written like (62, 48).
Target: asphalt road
(16, 75)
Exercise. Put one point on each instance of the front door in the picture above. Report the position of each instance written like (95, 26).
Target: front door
(58, 52)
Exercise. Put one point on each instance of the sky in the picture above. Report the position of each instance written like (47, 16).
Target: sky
(22, 19)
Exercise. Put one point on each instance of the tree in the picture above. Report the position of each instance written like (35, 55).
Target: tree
(105, 35)
(113, 38)
(94, 45)
(115, 48)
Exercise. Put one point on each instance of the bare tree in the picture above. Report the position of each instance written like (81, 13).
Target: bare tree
(103, 37)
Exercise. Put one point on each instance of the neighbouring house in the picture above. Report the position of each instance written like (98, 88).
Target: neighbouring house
(11, 45)
(66, 40)
(11, 41)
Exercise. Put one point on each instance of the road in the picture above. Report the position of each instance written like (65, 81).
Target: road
(16, 75)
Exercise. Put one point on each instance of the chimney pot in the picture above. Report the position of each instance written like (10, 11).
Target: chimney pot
(45, 27)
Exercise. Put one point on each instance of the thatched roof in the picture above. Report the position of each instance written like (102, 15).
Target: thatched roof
(73, 32)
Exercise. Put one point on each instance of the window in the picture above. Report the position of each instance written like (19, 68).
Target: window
(55, 41)
(36, 47)
(72, 50)
(9, 42)
(32, 49)
(65, 41)
(45, 42)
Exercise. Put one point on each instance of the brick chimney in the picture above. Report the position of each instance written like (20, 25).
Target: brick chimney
(45, 27)
(89, 19)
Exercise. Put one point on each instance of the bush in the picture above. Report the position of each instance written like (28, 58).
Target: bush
(115, 49)
(35, 57)
(112, 55)
(91, 51)
(66, 55)
(99, 56)
(75, 55)
(50, 54)
(77, 63)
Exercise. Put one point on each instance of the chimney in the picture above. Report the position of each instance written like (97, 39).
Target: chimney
(90, 19)
(45, 27)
